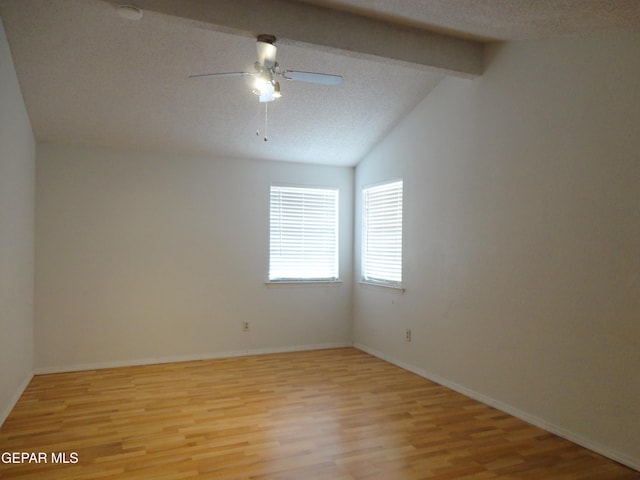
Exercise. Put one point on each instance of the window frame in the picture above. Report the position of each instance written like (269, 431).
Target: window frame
(366, 238)
(292, 279)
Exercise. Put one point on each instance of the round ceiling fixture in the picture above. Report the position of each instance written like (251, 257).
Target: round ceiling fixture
(129, 12)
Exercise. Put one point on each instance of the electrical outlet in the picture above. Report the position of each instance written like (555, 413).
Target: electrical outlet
(245, 326)
(407, 335)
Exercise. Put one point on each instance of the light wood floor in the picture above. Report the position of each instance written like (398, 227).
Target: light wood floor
(330, 414)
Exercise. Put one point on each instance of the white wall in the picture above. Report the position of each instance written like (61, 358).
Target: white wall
(17, 197)
(144, 257)
(522, 238)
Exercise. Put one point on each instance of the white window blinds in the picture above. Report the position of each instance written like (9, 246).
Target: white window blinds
(303, 241)
(382, 234)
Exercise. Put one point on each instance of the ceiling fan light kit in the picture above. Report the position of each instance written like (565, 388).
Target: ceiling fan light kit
(266, 90)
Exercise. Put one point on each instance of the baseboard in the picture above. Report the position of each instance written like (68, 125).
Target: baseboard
(590, 444)
(14, 399)
(184, 358)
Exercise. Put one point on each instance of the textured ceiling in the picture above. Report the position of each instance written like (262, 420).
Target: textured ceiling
(90, 77)
(501, 19)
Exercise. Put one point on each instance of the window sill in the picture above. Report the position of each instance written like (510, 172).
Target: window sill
(301, 283)
(390, 288)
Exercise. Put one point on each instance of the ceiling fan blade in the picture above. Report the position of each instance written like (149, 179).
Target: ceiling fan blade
(312, 77)
(228, 74)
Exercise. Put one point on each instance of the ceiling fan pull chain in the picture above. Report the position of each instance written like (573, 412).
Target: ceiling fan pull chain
(266, 119)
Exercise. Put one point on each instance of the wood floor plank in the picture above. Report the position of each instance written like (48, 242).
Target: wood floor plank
(330, 414)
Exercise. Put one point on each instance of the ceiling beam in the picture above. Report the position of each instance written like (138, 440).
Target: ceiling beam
(295, 22)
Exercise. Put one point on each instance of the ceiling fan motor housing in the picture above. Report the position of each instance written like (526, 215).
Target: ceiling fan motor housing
(266, 50)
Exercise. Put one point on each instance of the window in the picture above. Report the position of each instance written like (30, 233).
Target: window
(382, 234)
(303, 242)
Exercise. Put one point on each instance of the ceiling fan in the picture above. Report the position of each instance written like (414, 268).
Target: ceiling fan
(267, 71)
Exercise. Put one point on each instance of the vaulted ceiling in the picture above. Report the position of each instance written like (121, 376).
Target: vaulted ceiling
(91, 77)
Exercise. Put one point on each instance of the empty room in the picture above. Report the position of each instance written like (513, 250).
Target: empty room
(319, 239)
